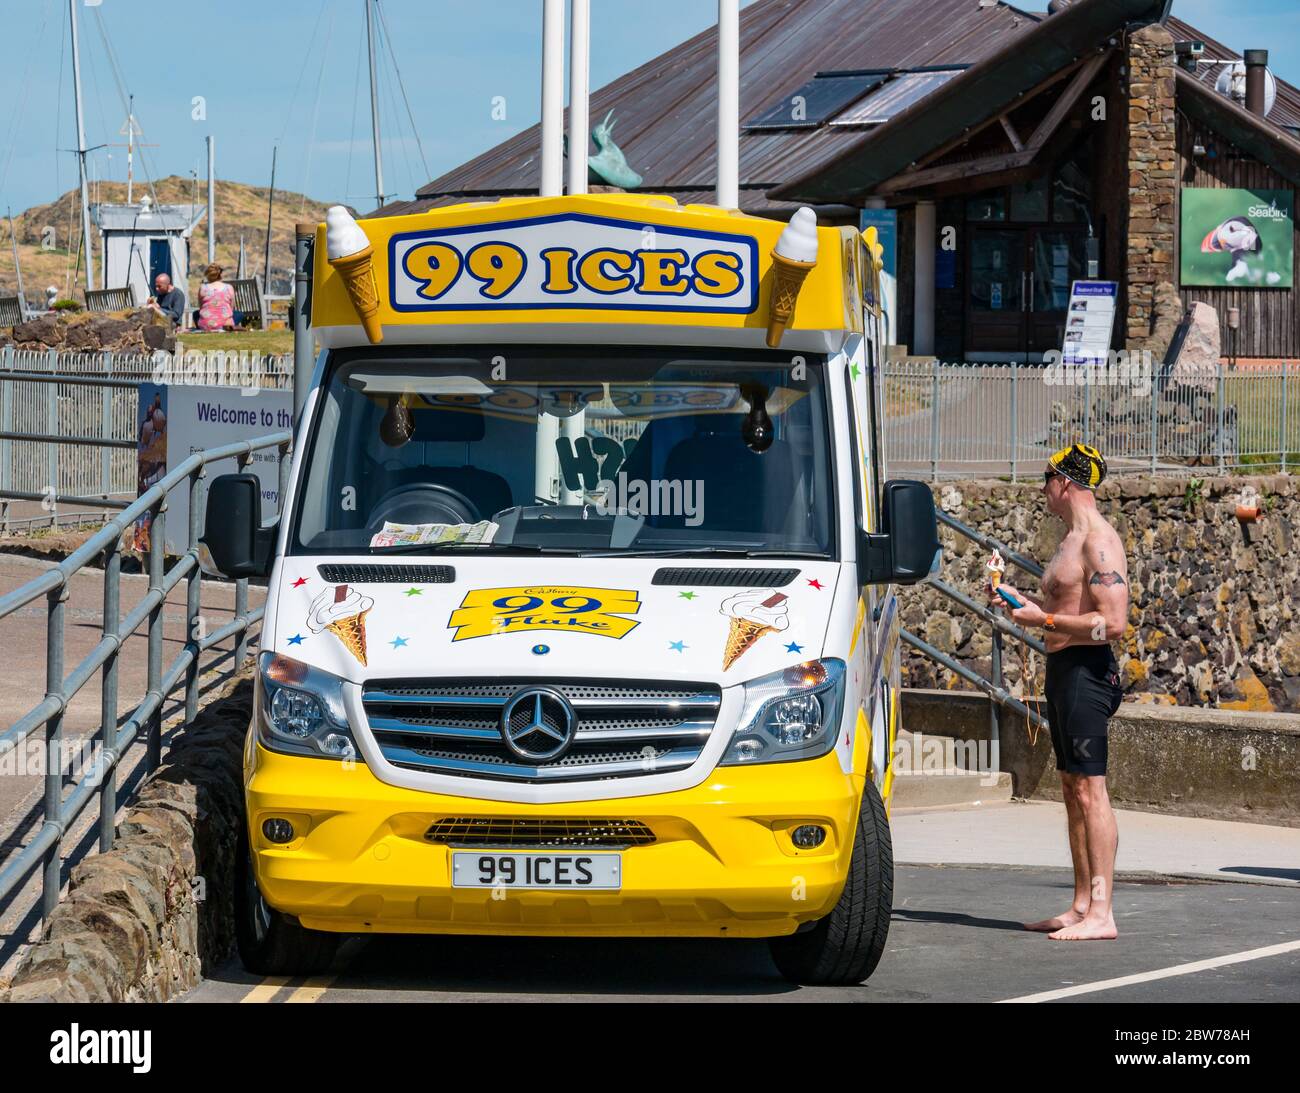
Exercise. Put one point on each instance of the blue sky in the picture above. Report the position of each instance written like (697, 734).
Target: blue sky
(252, 63)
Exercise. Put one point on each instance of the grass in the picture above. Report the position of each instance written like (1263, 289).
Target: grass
(248, 341)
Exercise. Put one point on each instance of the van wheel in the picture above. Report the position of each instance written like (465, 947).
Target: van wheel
(844, 947)
(272, 943)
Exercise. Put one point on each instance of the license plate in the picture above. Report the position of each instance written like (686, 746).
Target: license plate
(494, 869)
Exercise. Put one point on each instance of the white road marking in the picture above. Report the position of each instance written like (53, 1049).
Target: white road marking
(1161, 973)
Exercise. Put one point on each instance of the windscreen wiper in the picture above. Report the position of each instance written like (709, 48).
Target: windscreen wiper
(446, 548)
(713, 551)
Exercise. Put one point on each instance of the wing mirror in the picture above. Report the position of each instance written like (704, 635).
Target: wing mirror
(906, 549)
(235, 540)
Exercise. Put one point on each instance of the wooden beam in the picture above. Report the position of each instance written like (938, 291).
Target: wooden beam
(956, 142)
(1085, 74)
(1011, 133)
(950, 172)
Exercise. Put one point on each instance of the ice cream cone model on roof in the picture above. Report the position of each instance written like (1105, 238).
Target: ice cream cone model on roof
(351, 254)
(794, 255)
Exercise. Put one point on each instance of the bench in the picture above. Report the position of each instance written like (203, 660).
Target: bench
(12, 311)
(249, 301)
(110, 299)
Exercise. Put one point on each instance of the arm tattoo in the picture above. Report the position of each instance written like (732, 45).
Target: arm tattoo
(1107, 579)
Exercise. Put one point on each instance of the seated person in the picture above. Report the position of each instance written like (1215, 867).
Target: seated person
(216, 302)
(167, 299)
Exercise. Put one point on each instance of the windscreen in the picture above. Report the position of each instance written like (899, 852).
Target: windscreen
(587, 450)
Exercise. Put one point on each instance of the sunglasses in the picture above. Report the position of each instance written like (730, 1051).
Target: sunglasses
(1049, 475)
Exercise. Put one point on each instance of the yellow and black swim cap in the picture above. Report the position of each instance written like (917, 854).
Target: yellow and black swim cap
(1082, 464)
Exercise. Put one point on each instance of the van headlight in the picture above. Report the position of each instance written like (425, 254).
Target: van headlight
(301, 710)
(791, 714)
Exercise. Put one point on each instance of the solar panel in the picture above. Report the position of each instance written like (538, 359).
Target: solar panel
(820, 98)
(894, 97)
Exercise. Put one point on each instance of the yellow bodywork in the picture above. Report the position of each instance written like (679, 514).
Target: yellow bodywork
(828, 300)
(722, 864)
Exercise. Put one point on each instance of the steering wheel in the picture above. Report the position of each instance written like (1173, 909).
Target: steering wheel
(423, 503)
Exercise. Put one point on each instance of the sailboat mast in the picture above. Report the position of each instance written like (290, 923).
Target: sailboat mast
(81, 148)
(374, 109)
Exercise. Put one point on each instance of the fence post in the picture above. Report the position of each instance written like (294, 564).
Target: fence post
(193, 623)
(1284, 422)
(108, 697)
(53, 812)
(1087, 407)
(7, 425)
(1155, 399)
(996, 672)
(106, 429)
(1222, 411)
(157, 546)
(52, 449)
(934, 423)
(1015, 435)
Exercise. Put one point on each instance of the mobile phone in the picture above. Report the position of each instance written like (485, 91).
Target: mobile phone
(1009, 597)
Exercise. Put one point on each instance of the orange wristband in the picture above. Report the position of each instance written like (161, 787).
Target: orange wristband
(1049, 623)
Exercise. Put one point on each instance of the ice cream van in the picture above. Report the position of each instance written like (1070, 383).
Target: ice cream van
(580, 613)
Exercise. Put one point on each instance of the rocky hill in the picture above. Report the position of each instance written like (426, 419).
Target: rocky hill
(241, 210)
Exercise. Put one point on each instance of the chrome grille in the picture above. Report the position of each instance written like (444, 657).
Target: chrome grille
(502, 831)
(624, 728)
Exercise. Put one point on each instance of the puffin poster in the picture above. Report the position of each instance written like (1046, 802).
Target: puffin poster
(1237, 238)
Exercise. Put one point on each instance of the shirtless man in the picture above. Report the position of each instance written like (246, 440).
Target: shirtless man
(1083, 608)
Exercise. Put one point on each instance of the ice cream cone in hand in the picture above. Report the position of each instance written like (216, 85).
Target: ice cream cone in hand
(352, 255)
(342, 610)
(753, 613)
(794, 256)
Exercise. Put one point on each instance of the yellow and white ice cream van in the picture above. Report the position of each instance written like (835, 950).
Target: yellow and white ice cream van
(580, 616)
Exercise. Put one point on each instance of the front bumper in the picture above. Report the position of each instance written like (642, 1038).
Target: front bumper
(722, 863)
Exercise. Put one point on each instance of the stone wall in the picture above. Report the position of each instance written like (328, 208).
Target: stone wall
(1214, 616)
(1152, 185)
(138, 331)
(146, 920)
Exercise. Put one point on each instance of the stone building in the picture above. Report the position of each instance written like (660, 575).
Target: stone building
(1008, 153)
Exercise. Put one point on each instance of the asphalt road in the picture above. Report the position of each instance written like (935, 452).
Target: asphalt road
(956, 935)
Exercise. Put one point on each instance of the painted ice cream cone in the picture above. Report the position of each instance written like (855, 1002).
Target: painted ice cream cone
(753, 613)
(793, 257)
(351, 254)
(342, 610)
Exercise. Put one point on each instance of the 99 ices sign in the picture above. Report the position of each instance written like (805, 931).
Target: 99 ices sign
(573, 261)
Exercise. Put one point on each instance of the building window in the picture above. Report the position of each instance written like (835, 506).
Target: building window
(987, 207)
(1029, 200)
(1072, 188)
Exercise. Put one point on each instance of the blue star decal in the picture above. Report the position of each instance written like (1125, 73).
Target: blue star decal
(794, 647)
(397, 643)
(677, 646)
(296, 639)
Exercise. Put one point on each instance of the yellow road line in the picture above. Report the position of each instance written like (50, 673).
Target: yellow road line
(266, 989)
(311, 990)
(1162, 973)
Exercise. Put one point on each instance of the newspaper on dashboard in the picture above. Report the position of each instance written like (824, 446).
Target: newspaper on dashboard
(420, 534)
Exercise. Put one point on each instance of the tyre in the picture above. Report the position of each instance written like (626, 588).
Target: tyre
(844, 947)
(272, 943)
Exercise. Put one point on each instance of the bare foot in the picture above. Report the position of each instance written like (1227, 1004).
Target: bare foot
(1047, 925)
(1099, 929)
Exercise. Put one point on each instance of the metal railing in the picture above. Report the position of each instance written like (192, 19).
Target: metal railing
(980, 420)
(69, 421)
(114, 735)
(994, 687)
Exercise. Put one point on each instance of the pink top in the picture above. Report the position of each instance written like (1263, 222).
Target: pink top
(216, 305)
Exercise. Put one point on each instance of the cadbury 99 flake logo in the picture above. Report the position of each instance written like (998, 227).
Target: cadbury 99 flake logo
(575, 610)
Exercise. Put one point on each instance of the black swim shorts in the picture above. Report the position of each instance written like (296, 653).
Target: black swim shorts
(1083, 692)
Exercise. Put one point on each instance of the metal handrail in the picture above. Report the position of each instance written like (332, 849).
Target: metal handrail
(112, 738)
(1000, 624)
